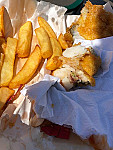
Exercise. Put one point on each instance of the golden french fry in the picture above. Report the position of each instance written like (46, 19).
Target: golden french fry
(1, 62)
(43, 23)
(2, 45)
(25, 39)
(44, 41)
(1, 22)
(8, 65)
(27, 71)
(57, 50)
(62, 41)
(6, 29)
(53, 63)
(5, 94)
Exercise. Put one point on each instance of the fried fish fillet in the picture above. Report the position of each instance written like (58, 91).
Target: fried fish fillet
(79, 64)
(94, 22)
(90, 63)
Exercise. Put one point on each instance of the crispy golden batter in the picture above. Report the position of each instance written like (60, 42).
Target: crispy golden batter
(90, 63)
(94, 22)
(71, 72)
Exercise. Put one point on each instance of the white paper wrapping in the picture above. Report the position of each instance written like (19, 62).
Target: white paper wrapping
(87, 110)
(20, 11)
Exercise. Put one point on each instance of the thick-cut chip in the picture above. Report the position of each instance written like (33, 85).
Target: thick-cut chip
(62, 41)
(1, 22)
(2, 45)
(6, 29)
(57, 50)
(68, 38)
(5, 94)
(8, 65)
(27, 71)
(43, 23)
(54, 62)
(44, 41)
(24, 39)
(1, 62)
